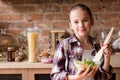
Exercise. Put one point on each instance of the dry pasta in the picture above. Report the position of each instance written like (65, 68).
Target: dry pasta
(32, 46)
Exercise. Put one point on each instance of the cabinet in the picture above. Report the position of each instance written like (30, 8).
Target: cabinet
(115, 62)
(28, 71)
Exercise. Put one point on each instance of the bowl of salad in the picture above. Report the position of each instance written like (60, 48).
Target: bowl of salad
(84, 64)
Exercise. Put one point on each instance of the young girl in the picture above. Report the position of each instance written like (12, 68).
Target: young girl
(80, 45)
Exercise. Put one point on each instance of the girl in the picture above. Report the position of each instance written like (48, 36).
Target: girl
(80, 45)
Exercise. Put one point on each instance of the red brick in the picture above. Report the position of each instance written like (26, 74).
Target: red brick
(38, 1)
(98, 23)
(88, 2)
(96, 8)
(14, 32)
(14, 1)
(31, 17)
(11, 17)
(114, 8)
(109, 16)
(63, 1)
(108, 1)
(48, 8)
(20, 24)
(61, 25)
(45, 32)
(113, 23)
(24, 9)
(52, 14)
(96, 16)
(4, 9)
(66, 8)
(56, 17)
(44, 24)
(4, 25)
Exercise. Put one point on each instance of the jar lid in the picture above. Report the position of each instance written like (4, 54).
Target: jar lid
(10, 48)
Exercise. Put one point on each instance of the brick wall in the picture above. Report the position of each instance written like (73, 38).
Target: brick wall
(17, 15)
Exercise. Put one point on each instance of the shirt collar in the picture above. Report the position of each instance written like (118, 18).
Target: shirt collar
(73, 39)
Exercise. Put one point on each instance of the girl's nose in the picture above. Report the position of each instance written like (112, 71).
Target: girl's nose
(81, 24)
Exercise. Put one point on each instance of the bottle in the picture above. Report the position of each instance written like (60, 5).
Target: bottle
(11, 54)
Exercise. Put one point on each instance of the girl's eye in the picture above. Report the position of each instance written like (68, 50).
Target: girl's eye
(76, 22)
(85, 20)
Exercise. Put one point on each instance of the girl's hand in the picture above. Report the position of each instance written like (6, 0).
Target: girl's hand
(107, 54)
(85, 73)
(107, 51)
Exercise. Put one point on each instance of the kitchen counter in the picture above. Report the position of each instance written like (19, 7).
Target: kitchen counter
(28, 70)
(115, 58)
(24, 64)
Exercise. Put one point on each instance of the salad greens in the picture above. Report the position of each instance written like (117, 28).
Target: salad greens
(84, 64)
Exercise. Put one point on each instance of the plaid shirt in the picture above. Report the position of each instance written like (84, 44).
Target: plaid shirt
(66, 51)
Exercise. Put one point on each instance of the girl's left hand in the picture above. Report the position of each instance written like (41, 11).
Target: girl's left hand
(107, 51)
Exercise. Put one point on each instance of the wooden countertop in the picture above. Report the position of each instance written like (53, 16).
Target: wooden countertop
(115, 62)
(25, 64)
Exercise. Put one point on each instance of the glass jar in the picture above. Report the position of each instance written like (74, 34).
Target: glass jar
(11, 54)
(32, 37)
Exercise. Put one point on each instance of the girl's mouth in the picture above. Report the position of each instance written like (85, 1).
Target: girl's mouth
(83, 29)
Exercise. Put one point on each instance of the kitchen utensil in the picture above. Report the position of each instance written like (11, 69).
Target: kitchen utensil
(98, 55)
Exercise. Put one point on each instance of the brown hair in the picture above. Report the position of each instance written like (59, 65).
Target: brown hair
(83, 7)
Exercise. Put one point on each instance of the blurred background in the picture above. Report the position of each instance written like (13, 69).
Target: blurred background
(16, 15)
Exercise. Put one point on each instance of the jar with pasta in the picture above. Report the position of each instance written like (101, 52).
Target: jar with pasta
(32, 36)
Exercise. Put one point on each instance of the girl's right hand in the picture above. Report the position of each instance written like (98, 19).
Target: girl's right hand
(85, 73)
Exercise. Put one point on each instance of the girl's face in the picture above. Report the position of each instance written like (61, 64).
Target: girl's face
(80, 22)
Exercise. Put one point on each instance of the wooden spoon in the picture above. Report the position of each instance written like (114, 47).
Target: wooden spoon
(99, 54)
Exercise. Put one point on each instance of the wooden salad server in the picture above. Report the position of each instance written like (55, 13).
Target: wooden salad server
(98, 56)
